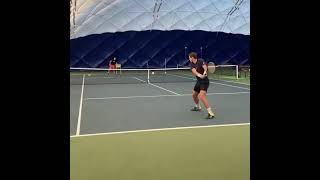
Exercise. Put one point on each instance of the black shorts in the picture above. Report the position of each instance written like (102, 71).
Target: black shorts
(201, 85)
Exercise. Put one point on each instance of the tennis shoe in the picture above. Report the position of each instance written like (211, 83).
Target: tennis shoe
(195, 109)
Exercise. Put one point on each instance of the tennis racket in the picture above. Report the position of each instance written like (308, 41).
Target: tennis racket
(211, 67)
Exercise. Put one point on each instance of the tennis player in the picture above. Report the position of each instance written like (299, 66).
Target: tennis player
(199, 69)
(112, 64)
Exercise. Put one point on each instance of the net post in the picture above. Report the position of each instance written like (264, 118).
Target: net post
(165, 65)
(237, 72)
(148, 81)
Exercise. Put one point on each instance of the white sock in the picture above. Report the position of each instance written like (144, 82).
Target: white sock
(210, 111)
(198, 106)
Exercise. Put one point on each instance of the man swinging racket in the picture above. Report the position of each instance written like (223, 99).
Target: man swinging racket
(199, 69)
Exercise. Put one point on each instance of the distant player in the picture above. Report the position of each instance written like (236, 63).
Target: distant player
(112, 64)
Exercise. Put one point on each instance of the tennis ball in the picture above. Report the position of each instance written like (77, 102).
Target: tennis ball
(152, 72)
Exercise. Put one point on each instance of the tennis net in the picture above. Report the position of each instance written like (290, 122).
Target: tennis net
(225, 72)
(96, 76)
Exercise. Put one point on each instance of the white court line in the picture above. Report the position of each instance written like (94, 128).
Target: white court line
(231, 85)
(139, 79)
(157, 86)
(167, 95)
(162, 129)
(165, 89)
(80, 108)
(233, 82)
(213, 82)
(129, 97)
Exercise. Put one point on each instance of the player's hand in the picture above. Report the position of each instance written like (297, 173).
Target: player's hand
(205, 73)
(201, 76)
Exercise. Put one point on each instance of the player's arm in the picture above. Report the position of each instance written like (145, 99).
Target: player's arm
(204, 66)
(194, 71)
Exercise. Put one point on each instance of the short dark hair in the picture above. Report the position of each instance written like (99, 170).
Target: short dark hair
(194, 55)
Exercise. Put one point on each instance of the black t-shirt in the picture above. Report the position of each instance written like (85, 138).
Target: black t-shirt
(198, 66)
(113, 62)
